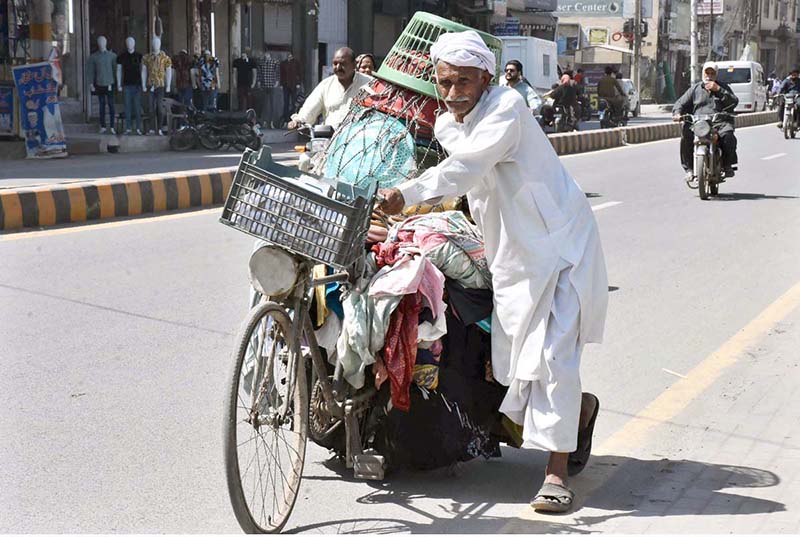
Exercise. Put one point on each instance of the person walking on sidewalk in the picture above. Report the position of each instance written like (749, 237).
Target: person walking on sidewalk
(543, 248)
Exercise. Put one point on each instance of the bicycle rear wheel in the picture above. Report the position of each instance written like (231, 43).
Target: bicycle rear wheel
(266, 421)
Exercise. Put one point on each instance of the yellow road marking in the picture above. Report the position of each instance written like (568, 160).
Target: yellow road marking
(667, 406)
(79, 227)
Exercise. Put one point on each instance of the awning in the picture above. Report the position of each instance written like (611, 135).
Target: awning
(608, 54)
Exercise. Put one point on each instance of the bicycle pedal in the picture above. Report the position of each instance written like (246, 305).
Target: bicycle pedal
(369, 465)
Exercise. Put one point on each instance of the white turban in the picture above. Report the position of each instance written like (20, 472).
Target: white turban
(463, 49)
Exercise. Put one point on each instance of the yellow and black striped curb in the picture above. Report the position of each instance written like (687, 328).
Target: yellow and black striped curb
(48, 205)
(581, 142)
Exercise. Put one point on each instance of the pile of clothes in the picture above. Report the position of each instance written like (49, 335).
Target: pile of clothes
(415, 322)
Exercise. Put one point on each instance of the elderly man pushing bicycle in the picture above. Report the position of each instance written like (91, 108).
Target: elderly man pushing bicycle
(543, 246)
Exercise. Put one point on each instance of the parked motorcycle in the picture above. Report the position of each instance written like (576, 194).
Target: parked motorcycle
(790, 112)
(611, 117)
(707, 171)
(319, 137)
(217, 130)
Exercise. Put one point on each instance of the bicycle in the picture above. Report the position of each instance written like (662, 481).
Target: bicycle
(302, 222)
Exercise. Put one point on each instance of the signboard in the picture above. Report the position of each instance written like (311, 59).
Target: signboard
(629, 9)
(704, 7)
(7, 111)
(533, 5)
(597, 36)
(508, 28)
(40, 114)
(589, 8)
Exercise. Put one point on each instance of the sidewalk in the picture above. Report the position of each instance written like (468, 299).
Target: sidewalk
(29, 173)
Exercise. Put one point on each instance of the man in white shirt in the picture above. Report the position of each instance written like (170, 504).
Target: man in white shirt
(543, 248)
(332, 96)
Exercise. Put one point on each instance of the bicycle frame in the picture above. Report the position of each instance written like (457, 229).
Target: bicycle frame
(340, 404)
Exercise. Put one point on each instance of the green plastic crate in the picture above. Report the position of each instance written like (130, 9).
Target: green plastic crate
(409, 64)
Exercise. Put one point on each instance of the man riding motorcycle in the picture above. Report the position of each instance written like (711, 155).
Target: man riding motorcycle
(610, 88)
(331, 98)
(791, 84)
(708, 97)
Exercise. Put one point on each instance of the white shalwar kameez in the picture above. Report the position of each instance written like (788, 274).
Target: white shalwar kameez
(544, 252)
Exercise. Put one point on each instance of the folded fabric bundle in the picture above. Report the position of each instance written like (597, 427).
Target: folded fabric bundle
(450, 241)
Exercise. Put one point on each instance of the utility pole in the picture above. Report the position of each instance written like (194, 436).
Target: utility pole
(710, 54)
(637, 47)
(693, 37)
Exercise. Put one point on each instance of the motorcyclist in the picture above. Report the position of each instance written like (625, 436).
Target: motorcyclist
(709, 97)
(791, 84)
(610, 88)
(566, 95)
(516, 80)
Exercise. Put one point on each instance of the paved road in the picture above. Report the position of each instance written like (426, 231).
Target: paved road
(116, 340)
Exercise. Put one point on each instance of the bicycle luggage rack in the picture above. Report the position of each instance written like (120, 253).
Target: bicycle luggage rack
(315, 218)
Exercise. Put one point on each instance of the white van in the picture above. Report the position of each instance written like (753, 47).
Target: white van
(746, 79)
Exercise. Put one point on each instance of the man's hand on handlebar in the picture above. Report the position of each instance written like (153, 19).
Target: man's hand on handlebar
(677, 118)
(292, 125)
(391, 200)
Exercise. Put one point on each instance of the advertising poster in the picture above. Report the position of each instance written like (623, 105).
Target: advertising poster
(40, 115)
(7, 111)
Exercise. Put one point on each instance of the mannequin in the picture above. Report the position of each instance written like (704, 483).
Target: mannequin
(269, 81)
(100, 72)
(183, 69)
(290, 80)
(208, 73)
(245, 79)
(129, 77)
(156, 78)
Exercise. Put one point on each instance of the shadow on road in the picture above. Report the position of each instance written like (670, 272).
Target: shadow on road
(750, 196)
(467, 500)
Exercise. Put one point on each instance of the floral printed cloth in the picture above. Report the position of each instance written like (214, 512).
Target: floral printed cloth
(157, 65)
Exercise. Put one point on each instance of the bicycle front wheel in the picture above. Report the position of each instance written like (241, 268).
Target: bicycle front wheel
(265, 421)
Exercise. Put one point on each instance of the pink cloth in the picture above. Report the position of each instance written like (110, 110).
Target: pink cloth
(409, 275)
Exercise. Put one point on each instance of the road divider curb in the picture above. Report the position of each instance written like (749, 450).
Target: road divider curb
(581, 142)
(64, 203)
(584, 141)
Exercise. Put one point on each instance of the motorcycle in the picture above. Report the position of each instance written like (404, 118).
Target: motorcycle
(318, 139)
(707, 170)
(611, 117)
(215, 130)
(556, 117)
(282, 389)
(790, 120)
(585, 106)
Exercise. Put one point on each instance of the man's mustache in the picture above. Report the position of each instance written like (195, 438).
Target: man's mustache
(457, 100)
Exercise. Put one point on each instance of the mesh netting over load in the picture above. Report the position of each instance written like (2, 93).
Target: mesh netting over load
(386, 137)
